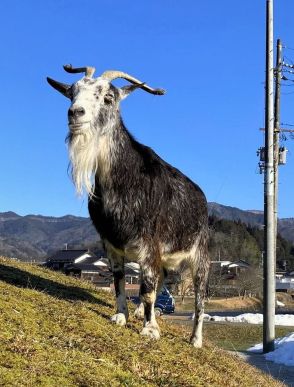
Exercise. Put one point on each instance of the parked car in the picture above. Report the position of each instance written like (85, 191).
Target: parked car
(164, 303)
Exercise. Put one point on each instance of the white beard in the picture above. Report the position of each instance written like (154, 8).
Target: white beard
(83, 155)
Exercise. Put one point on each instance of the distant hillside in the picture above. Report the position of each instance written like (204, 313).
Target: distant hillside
(234, 240)
(36, 236)
(252, 218)
(56, 331)
(286, 228)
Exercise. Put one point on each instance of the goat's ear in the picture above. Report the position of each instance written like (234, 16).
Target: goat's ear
(126, 90)
(63, 88)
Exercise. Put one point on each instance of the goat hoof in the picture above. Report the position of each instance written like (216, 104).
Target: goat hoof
(196, 342)
(139, 312)
(119, 319)
(151, 332)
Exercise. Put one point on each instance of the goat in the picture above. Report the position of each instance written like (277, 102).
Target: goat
(144, 209)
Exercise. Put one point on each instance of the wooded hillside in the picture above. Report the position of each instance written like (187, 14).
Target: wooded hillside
(234, 240)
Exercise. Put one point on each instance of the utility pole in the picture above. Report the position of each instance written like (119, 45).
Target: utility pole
(269, 182)
(278, 72)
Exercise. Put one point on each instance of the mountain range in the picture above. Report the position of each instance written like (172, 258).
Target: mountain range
(252, 218)
(36, 236)
(33, 237)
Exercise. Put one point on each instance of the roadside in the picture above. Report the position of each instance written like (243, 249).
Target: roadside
(228, 336)
(238, 337)
(220, 304)
(284, 374)
(235, 304)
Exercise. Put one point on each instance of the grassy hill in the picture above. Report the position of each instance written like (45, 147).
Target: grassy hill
(55, 331)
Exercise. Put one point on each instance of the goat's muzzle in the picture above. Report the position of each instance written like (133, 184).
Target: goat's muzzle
(74, 112)
(75, 119)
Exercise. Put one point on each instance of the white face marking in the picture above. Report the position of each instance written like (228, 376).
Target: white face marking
(90, 140)
(89, 94)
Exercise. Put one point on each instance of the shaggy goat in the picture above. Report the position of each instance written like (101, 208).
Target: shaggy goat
(144, 209)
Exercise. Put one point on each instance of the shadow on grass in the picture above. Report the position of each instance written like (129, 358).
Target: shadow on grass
(24, 279)
(283, 373)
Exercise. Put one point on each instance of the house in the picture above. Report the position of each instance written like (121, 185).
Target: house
(83, 264)
(92, 269)
(61, 259)
(285, 284)
(228, 269)
(235, 268)
(95, 268)
(132, 273)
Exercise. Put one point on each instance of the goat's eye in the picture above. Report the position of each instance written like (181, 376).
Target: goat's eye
(108, 98)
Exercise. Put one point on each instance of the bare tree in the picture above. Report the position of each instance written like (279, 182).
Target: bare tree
(185, 281)
(215, 280)
(249, 282)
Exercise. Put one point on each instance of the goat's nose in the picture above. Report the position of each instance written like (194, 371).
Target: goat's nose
(76, 111)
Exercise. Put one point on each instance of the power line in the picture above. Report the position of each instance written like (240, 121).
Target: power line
(288, 48)
(288, 71)
(285, 64)
(289, 59)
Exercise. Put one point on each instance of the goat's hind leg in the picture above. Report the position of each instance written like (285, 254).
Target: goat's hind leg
(199, 276)
(118, 270)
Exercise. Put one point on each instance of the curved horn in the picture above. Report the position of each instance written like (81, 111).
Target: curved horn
(63, 88)
(89, 71)
(111, 75)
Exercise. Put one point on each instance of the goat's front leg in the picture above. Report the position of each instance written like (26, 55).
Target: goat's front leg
(148, 289)
(118, 270)
(200, 282)
(139, 312)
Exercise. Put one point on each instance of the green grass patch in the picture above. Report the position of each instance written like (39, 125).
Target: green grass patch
(55, 331)
(238, 337)
(248, 304)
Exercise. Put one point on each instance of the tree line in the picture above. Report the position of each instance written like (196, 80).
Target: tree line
(234, 240)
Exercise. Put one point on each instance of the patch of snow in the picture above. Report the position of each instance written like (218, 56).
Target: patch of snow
(257, 348)
(251, 318)
(279, 303)
(284, 352)
(206, 317)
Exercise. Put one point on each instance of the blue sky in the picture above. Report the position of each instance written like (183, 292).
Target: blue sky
(208, 55)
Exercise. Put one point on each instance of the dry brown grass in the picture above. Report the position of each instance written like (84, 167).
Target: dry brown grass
(235, 303)
(219, 304)
(55, 331)
(286, 299)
